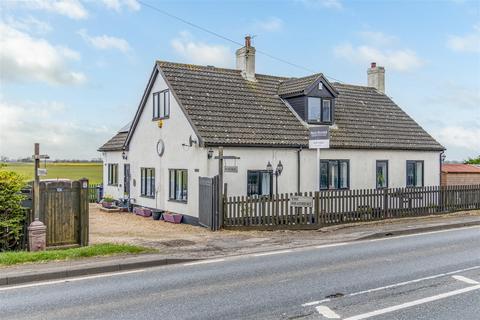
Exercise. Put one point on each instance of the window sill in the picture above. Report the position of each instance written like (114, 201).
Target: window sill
(147, 197)
(320, 122)
(178, 201)
(160, 118)
(112, 185)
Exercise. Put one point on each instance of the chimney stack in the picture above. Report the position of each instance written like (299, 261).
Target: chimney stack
(376, 77)
(246, 60)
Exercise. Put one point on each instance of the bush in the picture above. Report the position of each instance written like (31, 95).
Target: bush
(12, 214)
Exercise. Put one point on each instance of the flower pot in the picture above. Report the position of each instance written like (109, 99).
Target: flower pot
(156, 215)
(172, 217)
(107, 204)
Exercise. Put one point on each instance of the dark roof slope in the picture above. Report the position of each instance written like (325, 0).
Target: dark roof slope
(226, 109)
(366, 118)
(294, 86)
(117, 141)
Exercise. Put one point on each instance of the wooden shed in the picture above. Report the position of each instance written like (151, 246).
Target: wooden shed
(454, 174)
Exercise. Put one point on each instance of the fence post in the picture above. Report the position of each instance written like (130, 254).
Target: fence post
(84, 214)
(317, 207)
(385, 203)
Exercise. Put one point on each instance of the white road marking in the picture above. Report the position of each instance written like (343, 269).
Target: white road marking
(400, 284)
(327, 312)
(203, 262)
(271, 253)
(315, 302)
(465, 279)
(333, 245)
(44, 283)
(415, 234)
(413, 303)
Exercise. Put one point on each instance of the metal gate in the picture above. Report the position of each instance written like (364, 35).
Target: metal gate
(208, 215)
(64, 211)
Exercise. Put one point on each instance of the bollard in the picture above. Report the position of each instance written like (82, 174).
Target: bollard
(37, 236)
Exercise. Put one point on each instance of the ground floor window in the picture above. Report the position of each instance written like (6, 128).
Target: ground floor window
(113, 174)
(178, 180)
(147, 182)
(259, 182)
(414, 173)
(382, 174)
(334, 174)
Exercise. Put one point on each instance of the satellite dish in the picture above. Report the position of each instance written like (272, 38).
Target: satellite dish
(191, 141)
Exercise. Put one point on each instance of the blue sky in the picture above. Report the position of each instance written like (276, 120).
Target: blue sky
(72, 72)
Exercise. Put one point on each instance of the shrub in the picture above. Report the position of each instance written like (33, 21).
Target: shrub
(12, 214)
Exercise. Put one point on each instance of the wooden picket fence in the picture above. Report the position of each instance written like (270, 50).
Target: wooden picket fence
(346, 206)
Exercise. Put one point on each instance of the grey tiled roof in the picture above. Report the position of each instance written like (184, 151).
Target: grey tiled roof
(117, 141)
(293, 86)
(228, 110)
(368, 119)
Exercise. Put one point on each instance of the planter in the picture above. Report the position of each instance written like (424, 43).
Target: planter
(157, 214)
(143, 212)
(172, 217)
(107, 205)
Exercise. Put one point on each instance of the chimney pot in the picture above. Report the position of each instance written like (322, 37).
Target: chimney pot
(373, 64)
(247, 41)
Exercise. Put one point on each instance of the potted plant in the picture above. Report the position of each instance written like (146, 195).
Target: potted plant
(108, 202)
(172, 217)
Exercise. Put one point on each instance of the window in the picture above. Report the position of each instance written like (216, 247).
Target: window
(414, 173)
(178, 185)
(319, 110)
(334, 174)
(259, 182)
(113, 174)
(382, 174)
(147, 182)
(314, 109)
(161, 104)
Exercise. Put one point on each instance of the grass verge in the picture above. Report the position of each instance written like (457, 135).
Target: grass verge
(104, 249)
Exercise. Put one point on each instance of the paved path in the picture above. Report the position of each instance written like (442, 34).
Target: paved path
(424, 276)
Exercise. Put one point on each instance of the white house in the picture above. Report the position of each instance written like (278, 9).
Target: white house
(188, 111)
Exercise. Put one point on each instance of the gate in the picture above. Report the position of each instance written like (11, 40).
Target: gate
(64, 211)
(208, 215)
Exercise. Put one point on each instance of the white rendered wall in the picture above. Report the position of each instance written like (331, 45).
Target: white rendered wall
(113, 157)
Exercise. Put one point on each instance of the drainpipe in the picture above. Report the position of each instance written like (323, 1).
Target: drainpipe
(298, 169)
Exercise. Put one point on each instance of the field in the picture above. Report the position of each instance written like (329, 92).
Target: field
(73, 171)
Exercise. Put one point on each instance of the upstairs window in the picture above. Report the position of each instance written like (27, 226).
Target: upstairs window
(147, 182)
(113, 174)
(161, 104)
(319, 110)
(382, 174)
(259, 182)
(414, 173)
(334, 174)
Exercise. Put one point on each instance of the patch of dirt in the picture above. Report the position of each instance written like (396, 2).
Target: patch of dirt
(177, 243)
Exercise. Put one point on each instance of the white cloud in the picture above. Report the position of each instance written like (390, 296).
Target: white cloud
(24, 58)
(105, 42)
(70, 8)
(453, 96)
(59, 135)
(377, 38)
(29, 24)
(458, 136)
(466, 43)
(330, 4)
(396, 59)
(201, 53)
(117, 5)
(270, 24)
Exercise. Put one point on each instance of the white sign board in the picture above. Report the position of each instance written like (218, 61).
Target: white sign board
(300, 201)
(231, 169)
(319, 138)
(41, 172)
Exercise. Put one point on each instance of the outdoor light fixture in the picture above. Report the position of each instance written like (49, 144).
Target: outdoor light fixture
(210, 153)
(276, 173)
(443, 156)
(124, 155)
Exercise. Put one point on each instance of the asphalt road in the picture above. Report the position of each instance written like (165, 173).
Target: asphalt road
(425, 276)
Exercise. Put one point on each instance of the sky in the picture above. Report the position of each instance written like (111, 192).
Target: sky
(72, 72)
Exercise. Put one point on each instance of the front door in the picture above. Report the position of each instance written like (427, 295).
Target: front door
(126, 180)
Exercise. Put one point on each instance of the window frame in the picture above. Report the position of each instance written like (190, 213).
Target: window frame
(157, 110)
(249, 194)
(376, 174)
(338, 162)
(146, 173)
(322, 116)
(414, 162)
(174, 198)
(112, 175)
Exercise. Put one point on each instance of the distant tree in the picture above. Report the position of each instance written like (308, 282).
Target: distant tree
(473, 160)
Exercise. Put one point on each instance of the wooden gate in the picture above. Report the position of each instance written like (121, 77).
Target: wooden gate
(208, 215)
(64, 210)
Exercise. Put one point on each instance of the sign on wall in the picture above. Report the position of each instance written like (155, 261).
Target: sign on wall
(231, 169)
(319, 138)
(301, 201)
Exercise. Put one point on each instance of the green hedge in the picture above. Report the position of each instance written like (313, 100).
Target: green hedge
(12, 215)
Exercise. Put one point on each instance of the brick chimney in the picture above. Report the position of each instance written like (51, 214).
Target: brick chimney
(376, 77)
(246, 60)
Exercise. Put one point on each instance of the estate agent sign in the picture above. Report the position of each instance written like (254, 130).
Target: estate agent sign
(319, 138)
(300, 201)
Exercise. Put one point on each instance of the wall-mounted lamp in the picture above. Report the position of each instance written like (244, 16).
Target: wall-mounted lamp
(210, 153)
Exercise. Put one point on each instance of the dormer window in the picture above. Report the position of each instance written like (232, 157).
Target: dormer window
(319, 110)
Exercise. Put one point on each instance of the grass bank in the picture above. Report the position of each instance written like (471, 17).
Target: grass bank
(104, 249)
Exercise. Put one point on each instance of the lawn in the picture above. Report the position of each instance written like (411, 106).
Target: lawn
(104, 249)
(73, 171)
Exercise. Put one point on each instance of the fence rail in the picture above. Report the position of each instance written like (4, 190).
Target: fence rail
(345, 206)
